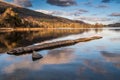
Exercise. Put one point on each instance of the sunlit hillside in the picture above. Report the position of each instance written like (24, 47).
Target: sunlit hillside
(28, 18)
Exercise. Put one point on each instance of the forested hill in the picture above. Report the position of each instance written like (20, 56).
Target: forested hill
(114, 25)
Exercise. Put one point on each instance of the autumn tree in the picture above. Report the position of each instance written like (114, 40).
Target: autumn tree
(10, 18)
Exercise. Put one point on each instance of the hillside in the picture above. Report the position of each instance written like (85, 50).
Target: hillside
(10, 18)
(23, 12)
(41, 19)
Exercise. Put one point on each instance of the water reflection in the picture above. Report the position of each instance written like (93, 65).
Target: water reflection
(111, 57)
(115, 39)
(94, 60)
(115, 29)
(52, 57)
(58, 56)
(98, 70)
(10, 40)
(114, 58)
(97, 30)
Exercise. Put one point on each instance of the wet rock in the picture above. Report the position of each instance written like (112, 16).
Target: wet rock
(36, 56)
(16, 50)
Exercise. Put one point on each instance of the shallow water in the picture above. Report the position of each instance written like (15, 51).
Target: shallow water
(93, 60)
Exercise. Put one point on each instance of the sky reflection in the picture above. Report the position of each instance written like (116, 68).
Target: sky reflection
(52, 57)
(94, 60)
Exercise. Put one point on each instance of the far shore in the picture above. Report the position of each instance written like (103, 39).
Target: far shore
(33, 29)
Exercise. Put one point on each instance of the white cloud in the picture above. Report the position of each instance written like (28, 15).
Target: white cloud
(55, 13)
(94, 18)
(45, 11)
(115, 14)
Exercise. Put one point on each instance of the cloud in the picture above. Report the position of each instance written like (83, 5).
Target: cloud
(62, 3)
(24, 3)
(83, 10)
(106, 1)
(54, 12)
(45, 11)
(94, 19)
(115, 14)
(102, 6)
(89, 3)
(79, 12)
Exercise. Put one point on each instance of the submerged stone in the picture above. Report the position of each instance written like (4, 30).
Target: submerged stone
(36, 56)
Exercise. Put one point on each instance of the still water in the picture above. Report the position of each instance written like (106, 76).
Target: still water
(93, 60)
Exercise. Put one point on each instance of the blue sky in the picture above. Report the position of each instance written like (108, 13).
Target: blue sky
(91, 11)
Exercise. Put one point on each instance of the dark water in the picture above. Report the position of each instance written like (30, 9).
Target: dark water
(94, 60)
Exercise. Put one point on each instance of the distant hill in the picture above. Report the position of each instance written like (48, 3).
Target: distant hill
(114, 25)
(39, 19)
